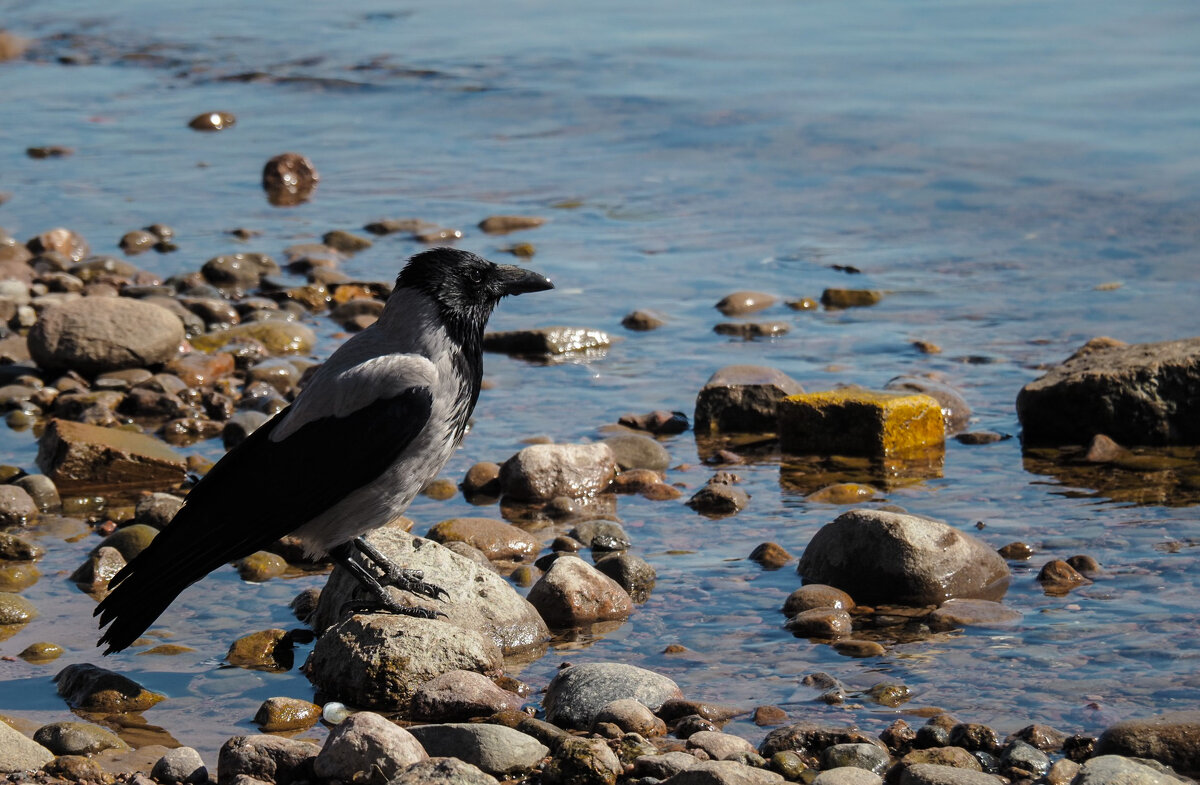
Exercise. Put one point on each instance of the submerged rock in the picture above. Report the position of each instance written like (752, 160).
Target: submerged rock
(289, 179)
(89, 688)
(286, 714)
(81, 458)
(1135, 394)
(546, 341)
(544, 471)
(879, 556)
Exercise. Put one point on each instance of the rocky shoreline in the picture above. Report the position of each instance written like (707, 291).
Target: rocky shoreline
(115, 371)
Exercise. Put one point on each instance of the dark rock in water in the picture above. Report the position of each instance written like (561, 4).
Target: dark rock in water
(393, 225)
(97, 334)
(260, 566)
(240, 426)
(858, 422)
(748, 330)
(272, 759)
(60, 241)
(1172, 738)
(92, 689)
(1135, 394)
(742, 398)
(460, 695)
(267, 650)
(212, 121)
(99, 568)
(955, 409)
(850, 298)
(573, 593)
(719, 498)
(879, 556)
(659, 422)
(482, 479)
(740, 303)
(973, 736)
(49, 151)
(816, 595)
(345, 241)
(633, 573)
(981, 437)
(156, 509)
(14, 548)
(1102, 449)
(365, 742)
(546, 341)
(503, 224)
(634, 451)
(1043, 737)
(972, 613)
(289, 179)
(130, 540)
(576, 695)
(137, 241)
(770, 555)
(820, 623)
(641, 321)
(1057, 577)
(81, 458)
(77, 738)
(238, 271)
(1016, 551)
(15, 609)
(286, 714)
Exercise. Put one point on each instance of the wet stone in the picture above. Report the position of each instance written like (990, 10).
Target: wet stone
(981, 437)
(973, 736)
(1016, 551)
(496, 749)
(261, 566)
(197, 369)
(899, 737)
(850, 298)
(503, 224)
(38, 653)
(137, 241)
(345, 241)
(17, 507)
(1058, 578)
(130, 540)
(1172, 738)
(972, 613)
(843, 493)
(631, 717)
(770, 555)
(89, 688)
(545, 471)
(742, 398)
(750, 330)
(78, 457)
(601, 535)
(212, 121)
(740, 303)
(267, 650)
(461, 695)
(853, 647)
(642, 321)
(393, 225)
(156, 509)
(1023, 759)
(875, 555)
(956, 412)
(573, 593)
(858, 422)
(496, 539)
(820, 623)
(816, 595)
(632, 573)
(15, 609)
(634, 451)
(719, 498)
(889, 694)
(77, 738)
(546, 341)
(289, 179)
(810, 738)
(98, 569)
(1043, 737)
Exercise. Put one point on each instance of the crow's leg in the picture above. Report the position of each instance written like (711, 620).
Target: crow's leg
(383, 601)
(393, 575)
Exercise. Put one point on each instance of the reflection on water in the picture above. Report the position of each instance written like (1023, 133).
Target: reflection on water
(996, 168)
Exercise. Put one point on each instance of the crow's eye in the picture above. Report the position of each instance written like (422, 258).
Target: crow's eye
(474, 276)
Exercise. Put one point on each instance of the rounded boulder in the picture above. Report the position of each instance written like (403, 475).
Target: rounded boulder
(93, 335)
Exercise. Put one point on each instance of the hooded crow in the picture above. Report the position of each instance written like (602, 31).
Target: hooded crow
(376, 423)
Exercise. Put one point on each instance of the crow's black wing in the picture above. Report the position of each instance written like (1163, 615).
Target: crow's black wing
(260, 491)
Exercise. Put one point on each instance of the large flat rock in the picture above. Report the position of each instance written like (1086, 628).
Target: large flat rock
(1135, 393)
(82, 458)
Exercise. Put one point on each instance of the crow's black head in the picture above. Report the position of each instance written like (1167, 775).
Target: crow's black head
(466, 285)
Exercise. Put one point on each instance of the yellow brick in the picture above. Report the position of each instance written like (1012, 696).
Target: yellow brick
(854, 421)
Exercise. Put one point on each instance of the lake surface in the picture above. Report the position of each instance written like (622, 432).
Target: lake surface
(1018, 177)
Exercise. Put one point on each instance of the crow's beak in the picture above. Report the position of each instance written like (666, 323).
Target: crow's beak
(518, 280)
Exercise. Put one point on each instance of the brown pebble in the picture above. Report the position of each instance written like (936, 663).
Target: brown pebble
(438, 235)
(802, 304)
(521, 250)
(820, 623)
(212, 121)
(440, 490)
(49, 151)
(927, 347)
(749, 330)
(770, 555)
(850, 298)
(769, 715)
(289, 179)
(1104, 450)
(739, 303)
(816, 595)
(641, 321)
(1016, 551)
(1085, 565)
(1057, 578)
(482, 479)
(503, 224)
(980, 437)
(843, 493)
(661, 492)
(853, 647)
(674, 648)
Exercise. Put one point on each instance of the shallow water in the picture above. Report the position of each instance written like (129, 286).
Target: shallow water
(988, 164)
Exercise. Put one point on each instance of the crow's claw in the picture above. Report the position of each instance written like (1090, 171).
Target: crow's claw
(377, 606)
(411, 580)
